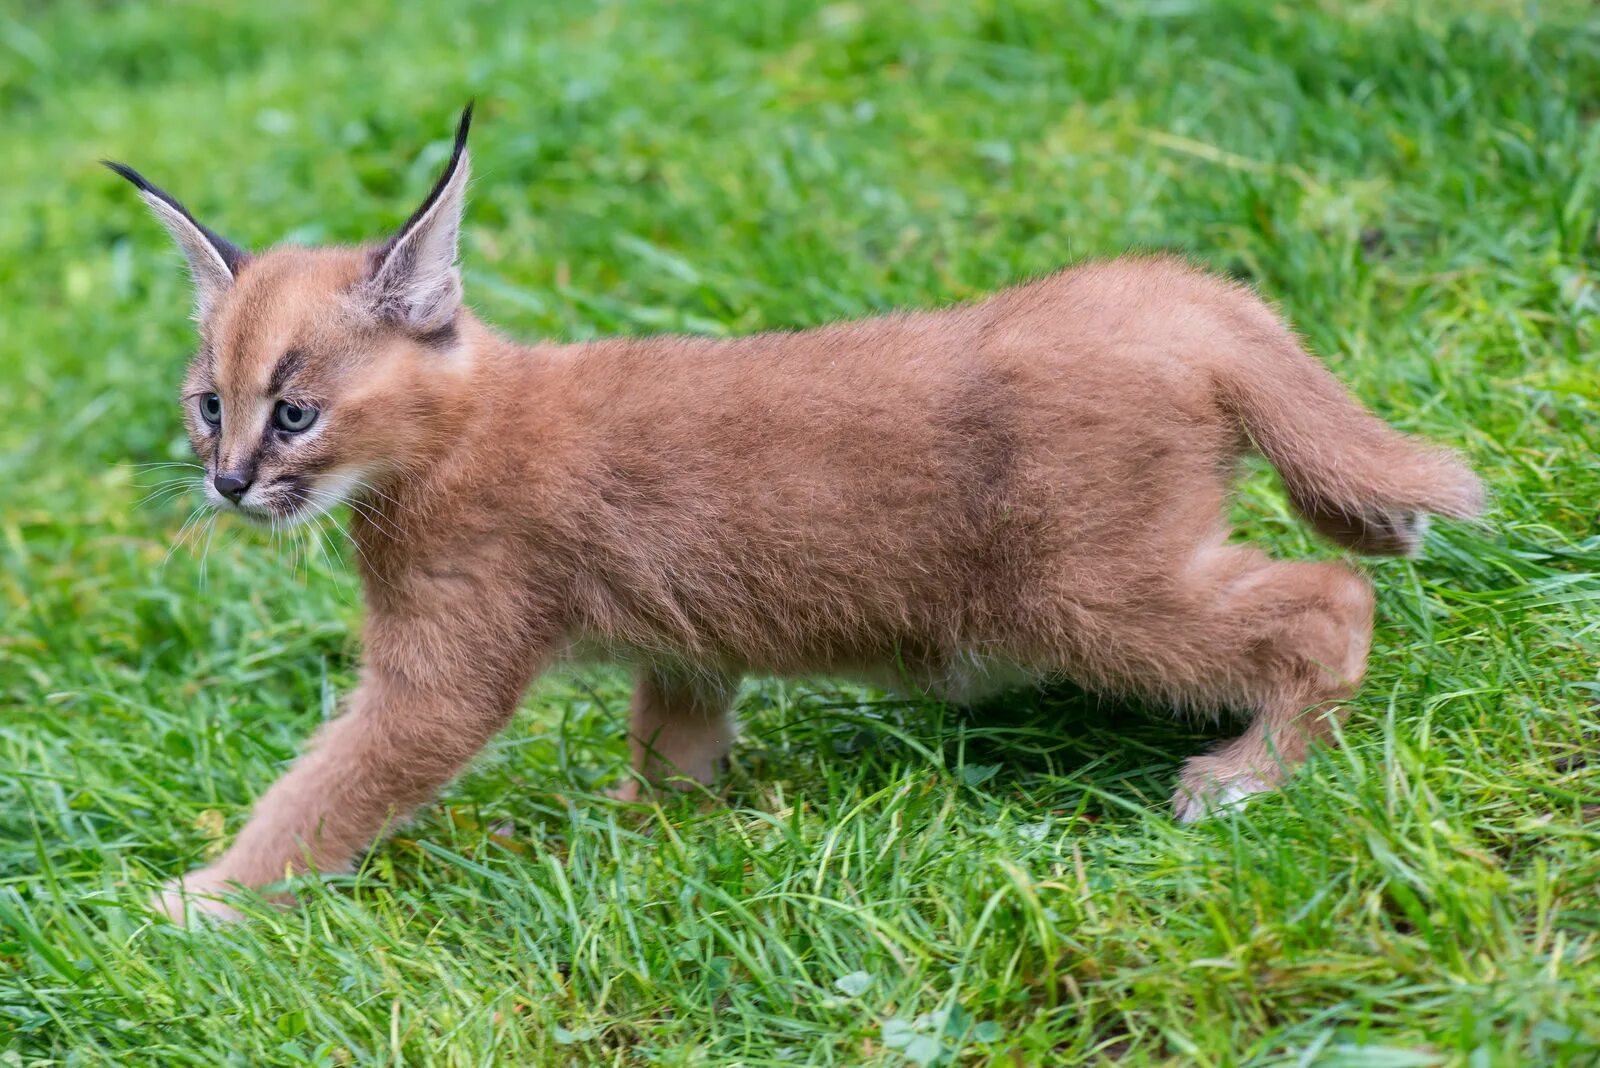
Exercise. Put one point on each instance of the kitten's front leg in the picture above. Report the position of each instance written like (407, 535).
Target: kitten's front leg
(398, 743)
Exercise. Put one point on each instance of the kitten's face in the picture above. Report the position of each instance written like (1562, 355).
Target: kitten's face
(320, 369)
(299, 397)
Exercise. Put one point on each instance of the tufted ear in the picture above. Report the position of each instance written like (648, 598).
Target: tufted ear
(413, 280)
(214, 262)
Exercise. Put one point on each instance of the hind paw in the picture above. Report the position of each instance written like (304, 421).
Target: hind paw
(1408, 531)
(1204, 790)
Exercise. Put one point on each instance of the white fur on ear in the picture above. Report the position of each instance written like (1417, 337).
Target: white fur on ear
(414, 280)
(213, 261)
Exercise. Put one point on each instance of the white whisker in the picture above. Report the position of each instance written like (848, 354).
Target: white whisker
(162, 463)
(161, 496)
(180, 480)
(376, 518)
(368, 487)
(323, 546)
(205, 551)
(182, 535)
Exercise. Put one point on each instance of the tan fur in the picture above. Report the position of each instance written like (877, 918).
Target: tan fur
(1035, 482)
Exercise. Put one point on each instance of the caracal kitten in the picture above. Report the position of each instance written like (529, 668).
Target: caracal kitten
(1032, 486)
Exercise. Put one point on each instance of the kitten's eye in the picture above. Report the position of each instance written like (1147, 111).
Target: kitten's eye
(293, 418)
(211, 408)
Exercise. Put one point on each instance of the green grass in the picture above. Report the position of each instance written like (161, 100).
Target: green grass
(878, 882)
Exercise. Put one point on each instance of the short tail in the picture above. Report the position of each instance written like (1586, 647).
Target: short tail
(1357, 480)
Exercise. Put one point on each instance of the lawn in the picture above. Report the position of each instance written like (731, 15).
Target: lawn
(877, 881)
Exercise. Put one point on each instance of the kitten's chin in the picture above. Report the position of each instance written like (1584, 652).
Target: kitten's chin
(278, 516)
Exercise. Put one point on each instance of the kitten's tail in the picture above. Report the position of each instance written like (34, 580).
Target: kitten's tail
(1358, 481)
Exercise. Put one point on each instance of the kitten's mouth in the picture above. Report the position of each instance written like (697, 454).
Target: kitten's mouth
(285, 500)
(266, 513)
(256, 513)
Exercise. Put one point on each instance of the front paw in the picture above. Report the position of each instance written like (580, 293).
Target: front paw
(197, 896)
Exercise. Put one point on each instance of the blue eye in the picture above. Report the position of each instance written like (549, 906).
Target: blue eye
(211, 408)
(292, 418)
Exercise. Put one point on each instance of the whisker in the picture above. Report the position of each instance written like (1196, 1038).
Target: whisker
(361, 554)
(182, 535)
(205, 551)
(279, 531)
(371, 515)
(162, 463)
(388, 498)
(161, 496)
(180, 480)
(179, 483)
(323, 546)
(308, 546)
(168, 483)
(368, 487)
(338, 527)
(319, 532)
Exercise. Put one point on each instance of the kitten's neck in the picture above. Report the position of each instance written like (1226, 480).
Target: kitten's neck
(481, 390)
(389, 503)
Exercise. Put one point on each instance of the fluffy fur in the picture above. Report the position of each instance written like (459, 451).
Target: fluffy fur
(1032, 485)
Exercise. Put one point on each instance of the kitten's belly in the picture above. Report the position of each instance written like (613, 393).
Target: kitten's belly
(965, 677)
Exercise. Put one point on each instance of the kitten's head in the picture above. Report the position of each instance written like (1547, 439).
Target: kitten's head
(320, 370)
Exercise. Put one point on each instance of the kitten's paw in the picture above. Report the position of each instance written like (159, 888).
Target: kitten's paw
(196, 896)
(1203, 791)
(627, 791)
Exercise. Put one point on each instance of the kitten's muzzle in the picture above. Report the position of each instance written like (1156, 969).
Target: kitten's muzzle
(231, 486)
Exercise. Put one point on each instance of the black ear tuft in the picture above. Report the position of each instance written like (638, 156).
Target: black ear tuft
(130, 174)
(439, 187)
(231, 254)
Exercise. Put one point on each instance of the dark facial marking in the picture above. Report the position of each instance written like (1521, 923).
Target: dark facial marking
(442, 337)
(267, 447)
(289, 365)
(243, 471)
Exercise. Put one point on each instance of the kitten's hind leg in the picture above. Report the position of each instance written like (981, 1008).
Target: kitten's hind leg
(1289, 642)
(1235, 630)
(680, 727)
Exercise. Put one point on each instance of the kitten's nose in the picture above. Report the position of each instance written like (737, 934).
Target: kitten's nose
(231, 486)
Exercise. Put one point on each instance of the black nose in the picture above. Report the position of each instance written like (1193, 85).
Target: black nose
(231, 486)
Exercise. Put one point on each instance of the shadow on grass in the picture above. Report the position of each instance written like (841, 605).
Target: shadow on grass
(1049, 747)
